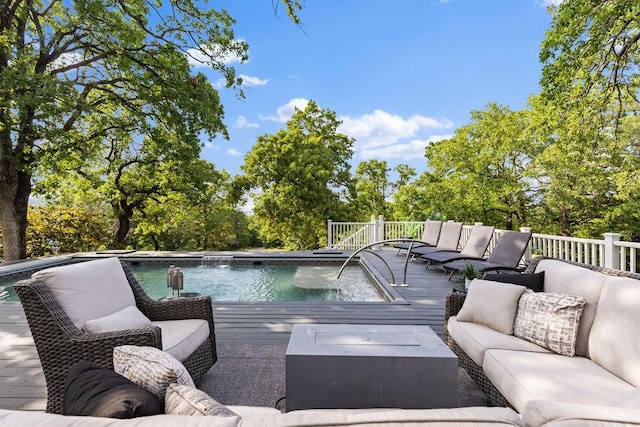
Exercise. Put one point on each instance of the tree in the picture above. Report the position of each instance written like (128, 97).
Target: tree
(374, 187)
(123, 64)
(593, 47)
(480, 173)
(300, 174)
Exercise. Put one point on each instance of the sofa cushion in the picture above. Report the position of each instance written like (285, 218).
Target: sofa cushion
(540, 413)
(88, 290)
(185, 400)
(533, 281)
(92, 390)
(491, 304)
(523, 376)
(563, 278)
(180, 338)
(549, 320)
(615, 336)
(127, 318)
(630, 400)
(475, 339)
(150, 368)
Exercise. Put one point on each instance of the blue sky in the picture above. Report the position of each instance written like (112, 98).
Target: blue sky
(399, 74)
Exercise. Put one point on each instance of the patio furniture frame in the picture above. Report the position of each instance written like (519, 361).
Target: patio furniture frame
(61, 344)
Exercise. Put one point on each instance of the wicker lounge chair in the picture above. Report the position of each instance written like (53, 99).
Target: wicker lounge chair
(506, 254)
(61, 343)
(429, 236)
(474, 248)
(448, 241)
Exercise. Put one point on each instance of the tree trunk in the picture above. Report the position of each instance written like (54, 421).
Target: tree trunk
(15, 189)
(124, 225)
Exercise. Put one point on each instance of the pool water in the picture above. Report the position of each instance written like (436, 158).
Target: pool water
(266, 282)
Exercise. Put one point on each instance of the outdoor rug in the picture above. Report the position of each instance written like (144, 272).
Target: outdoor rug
(254, 374)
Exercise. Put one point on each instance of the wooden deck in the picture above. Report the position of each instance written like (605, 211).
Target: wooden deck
(22, 384)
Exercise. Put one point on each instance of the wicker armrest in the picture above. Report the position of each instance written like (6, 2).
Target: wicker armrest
(180, 308)
(453, 304)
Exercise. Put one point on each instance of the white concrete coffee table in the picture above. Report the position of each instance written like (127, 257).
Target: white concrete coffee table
(369, 366)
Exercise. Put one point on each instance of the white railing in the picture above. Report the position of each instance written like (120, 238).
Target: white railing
(610, 252)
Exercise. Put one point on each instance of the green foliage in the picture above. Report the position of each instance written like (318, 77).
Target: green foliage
(301, 175)
(469, 272)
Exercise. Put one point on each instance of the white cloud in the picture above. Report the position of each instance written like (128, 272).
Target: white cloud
(233, 152)
(67, 59)
(241, 122)
(547, 3)
(202, 57)
(285, 112)
(210, 145)
(252, 81)
(411, 150)
(381, 128)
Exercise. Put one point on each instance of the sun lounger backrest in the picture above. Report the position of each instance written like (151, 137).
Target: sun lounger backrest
(431, 232)
(478, 241)
(509, 248)
(449, 236)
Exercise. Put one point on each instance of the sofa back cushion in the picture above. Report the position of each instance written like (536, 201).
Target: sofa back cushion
(563, 278)
(89, 290)
(614, 343)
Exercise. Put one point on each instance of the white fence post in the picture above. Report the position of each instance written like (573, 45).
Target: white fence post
(329, 234)
(380, 228)
(611, 251)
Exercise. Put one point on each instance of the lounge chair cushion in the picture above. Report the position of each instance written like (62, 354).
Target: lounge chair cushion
(150, 368)
(476, 339)
(185, 400)
(180, 338)
(491, 304)
(549, 320)
(89, 290)
(92, 390)
(563, 278)
(615, 337)
(524, 375)
(127, 318)
(534, 281)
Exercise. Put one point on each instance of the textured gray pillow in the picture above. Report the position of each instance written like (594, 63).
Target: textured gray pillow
(185, 400)
(491, 304)
(549, 320)
(150, 368)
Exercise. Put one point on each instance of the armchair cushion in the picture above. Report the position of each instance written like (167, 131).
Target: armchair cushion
(89, 290)
(127, 318)
(91, 390)
(150, 368)
(180, 338)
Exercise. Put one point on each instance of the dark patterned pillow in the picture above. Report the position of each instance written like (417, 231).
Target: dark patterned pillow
(185, 400)
(533, 281)
(549, 320)
(91, 390)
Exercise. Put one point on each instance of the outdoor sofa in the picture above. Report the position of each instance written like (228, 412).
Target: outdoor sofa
(575, 343)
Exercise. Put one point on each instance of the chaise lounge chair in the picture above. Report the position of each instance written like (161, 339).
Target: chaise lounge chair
(429, 237)
(506, 254)
(448, 241)
(82, 311)
(474, 248)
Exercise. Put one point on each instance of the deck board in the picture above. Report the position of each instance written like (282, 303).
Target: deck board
(22, 383)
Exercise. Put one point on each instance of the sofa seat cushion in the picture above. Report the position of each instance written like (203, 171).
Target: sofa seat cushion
(180, 338)
(88, 290)
(615, 337)
(475, 339)
(563, 278)
(472, 416)
(539, 413)
(523, 376)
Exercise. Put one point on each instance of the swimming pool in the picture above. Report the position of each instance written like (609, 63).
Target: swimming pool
(259, 282)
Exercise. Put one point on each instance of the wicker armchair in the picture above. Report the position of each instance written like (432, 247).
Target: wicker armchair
(61, 344)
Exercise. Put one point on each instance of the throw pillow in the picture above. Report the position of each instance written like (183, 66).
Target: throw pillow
(184, 400)
(91, 390)
(150, 368)
(533, 281)
(549, 320)
(491, 304)
(127, 318)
